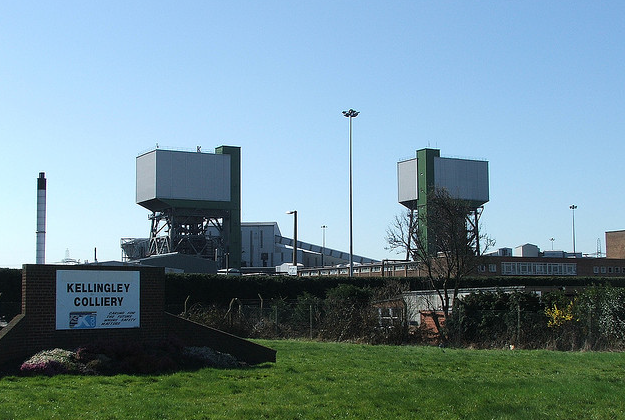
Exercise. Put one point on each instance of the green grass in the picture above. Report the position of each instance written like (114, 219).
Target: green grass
(331, 380)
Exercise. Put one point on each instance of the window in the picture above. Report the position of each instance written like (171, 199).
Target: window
(617, 269)
(508, 268)
(482, 268)
(492, 268)
(603, 270)
(610, 270)
(556, 269)
(595, 270)
(538, 269)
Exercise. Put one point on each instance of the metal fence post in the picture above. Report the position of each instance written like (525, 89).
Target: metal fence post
(311, 321)
(518, 323)
(275, 313)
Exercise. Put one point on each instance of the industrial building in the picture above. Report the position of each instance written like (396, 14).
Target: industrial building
(266, 250)
(468, 180)
(191, 195)
(195, 204)
(545, 264)
(462, 179)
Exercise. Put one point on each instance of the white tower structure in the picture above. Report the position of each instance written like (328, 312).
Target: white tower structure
(41, 219)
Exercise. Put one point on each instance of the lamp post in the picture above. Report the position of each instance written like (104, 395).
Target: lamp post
(552, 239)
(573, 207)
(350, 114)
(323, 243)
(294, 213)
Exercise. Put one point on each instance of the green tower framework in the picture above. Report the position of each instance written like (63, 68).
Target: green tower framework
(464, 179)
(195, 200)
(234, 211)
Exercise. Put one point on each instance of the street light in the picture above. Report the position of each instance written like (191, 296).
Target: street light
(323, 243)
(573, 207)
(350, 114)
(552, 239)
(294, 213)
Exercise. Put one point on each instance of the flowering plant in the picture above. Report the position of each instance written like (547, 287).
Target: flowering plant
(557, 317)
(125, 357)
(51, 362)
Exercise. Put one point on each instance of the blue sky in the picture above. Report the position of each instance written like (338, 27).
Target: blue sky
(536, 88)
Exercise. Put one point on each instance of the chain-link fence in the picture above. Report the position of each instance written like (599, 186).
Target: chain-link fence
(316, 319)
(591, 319)
(527, 329)
(594, 320)
(259, 319)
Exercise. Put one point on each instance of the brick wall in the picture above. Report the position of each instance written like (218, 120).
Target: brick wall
(615, 244)
(428, 325)
(194, 334)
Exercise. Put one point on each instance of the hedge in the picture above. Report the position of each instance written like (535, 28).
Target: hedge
(219, 289)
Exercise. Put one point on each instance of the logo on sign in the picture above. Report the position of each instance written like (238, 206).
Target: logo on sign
(82, 319)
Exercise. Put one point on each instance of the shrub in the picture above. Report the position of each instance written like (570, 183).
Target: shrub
(348, 314)
(498, 319)
(600, 315)
(122, 357)
(51, 362)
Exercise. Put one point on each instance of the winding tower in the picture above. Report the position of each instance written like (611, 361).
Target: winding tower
(195, 203)
(464, 179)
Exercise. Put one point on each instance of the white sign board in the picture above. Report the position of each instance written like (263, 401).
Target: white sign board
(89, 299)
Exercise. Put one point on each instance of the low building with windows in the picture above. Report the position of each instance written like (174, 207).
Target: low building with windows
(499, 263)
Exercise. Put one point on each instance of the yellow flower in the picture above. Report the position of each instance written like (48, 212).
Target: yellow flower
(558, 317)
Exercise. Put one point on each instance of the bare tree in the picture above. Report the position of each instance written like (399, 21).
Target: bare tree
(443, 238)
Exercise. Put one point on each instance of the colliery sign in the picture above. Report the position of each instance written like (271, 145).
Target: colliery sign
(87, 299)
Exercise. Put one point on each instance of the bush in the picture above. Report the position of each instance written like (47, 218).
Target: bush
(348, 314)
(498, 319)
(128, 358)
(52, 362)
(592, 318)
(600, 317)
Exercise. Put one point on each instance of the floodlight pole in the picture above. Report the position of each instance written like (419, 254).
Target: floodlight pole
(573, 207)
(323, 243)
(351, 114)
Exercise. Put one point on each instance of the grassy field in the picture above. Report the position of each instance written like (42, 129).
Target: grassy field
(331, 380)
